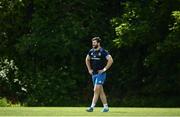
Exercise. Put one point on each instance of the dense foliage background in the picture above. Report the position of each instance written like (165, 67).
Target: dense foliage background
(43, 44)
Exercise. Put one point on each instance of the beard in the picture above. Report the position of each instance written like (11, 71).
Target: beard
(95, 46)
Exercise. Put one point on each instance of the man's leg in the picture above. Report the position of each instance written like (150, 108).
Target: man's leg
(103, 97)
(95, 97)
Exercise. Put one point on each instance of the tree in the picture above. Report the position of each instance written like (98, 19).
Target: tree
(149, 48)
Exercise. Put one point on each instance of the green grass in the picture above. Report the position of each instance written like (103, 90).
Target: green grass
(80, 111)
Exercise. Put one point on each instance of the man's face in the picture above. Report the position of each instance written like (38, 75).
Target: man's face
(95, 44)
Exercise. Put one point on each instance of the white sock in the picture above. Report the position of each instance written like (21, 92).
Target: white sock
(93, 105)
(105, 105)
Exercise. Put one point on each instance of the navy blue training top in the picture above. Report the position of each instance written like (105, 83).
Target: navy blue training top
(98, 59)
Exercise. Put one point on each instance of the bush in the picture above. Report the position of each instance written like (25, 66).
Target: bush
(4, 102)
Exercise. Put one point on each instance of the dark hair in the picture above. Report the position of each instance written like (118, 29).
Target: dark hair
(98, 39)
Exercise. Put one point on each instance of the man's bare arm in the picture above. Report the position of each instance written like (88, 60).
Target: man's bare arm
(109, 62)
(88, 64)
(108, 65)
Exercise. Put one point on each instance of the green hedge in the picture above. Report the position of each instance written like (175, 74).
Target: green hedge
(4, 102)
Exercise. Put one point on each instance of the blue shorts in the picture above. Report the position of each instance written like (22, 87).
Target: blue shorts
(99, 78)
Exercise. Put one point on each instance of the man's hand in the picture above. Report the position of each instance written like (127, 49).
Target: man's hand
(101, 71)
(109, 63)
(90, 72)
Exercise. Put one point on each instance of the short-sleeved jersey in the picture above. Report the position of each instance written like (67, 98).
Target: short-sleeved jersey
(98, 59)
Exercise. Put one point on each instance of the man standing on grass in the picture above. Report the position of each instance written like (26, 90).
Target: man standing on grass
(98, 61)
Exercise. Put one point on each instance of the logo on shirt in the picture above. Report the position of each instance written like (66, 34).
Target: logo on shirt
(95, 58)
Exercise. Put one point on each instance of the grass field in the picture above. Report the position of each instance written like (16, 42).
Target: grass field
(80, 111)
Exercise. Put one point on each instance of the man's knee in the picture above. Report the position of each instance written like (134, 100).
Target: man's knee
(102, 91)
(97, 88)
